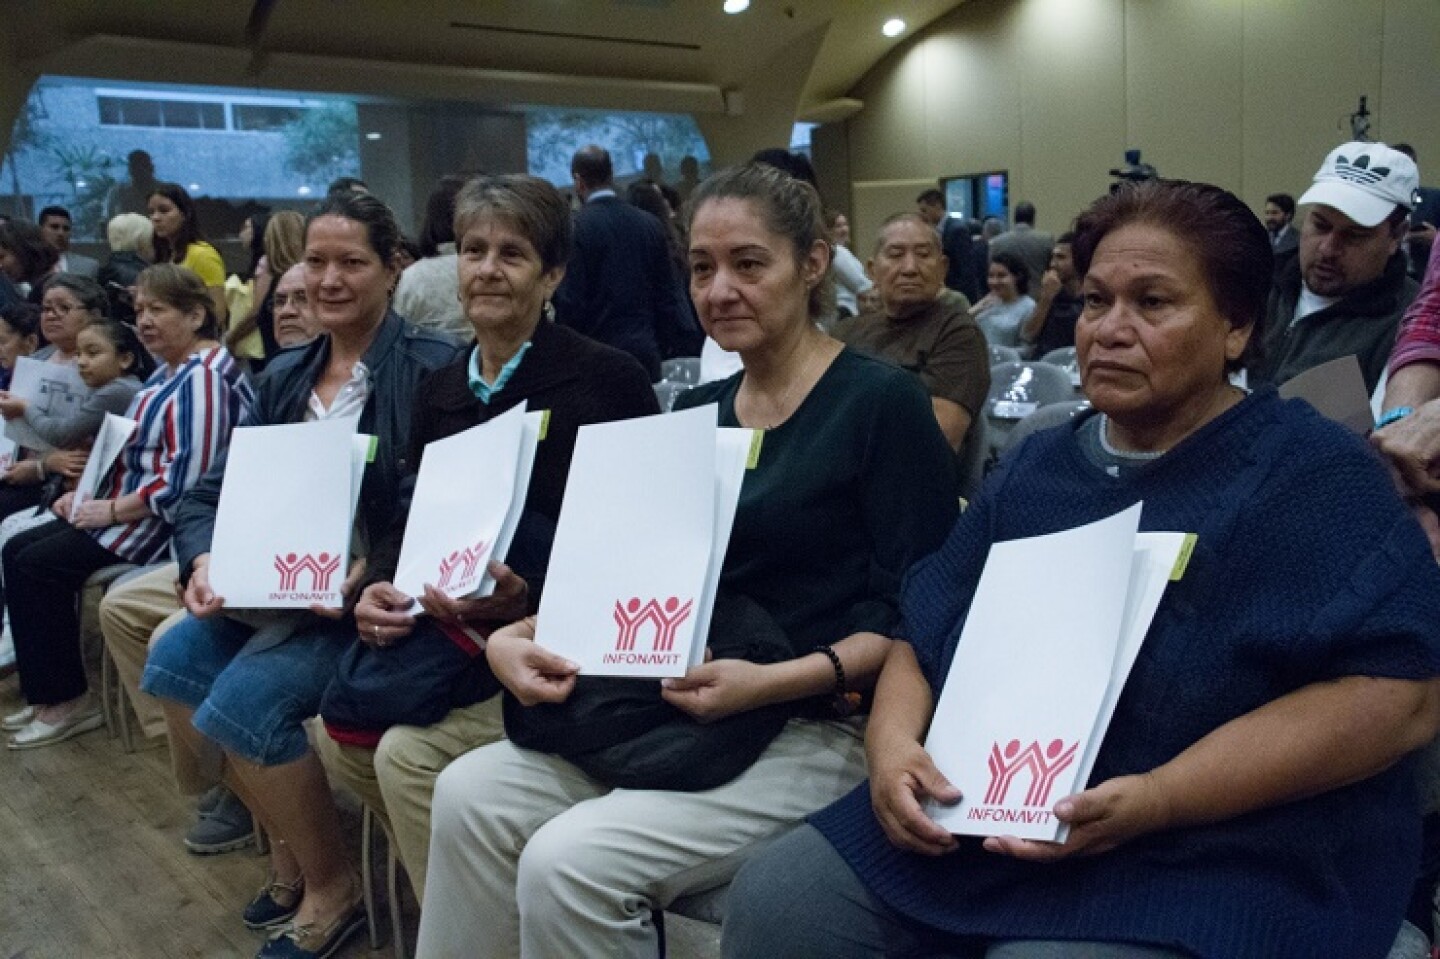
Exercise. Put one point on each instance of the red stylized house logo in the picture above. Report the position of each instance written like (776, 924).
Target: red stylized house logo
(632, 615)
(1044, 766)
(320, 568)
(461, 566)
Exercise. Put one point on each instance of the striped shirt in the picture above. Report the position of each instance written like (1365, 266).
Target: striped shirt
(184, 420)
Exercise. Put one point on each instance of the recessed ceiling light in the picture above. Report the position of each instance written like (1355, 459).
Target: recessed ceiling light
(373, 135)
(303, 191)
(893, 27)
(737, 6)
(194, 188)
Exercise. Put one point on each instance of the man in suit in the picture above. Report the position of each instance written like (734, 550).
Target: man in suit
(1024, 241)
(1279, 212)
(619, 287)
(55, 227)
(955, 242)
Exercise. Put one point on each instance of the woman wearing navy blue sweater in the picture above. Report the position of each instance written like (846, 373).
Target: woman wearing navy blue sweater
(1252, 797)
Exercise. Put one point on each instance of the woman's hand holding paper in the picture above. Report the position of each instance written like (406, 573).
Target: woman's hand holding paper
(532, 673)
(1114, 812)
(347, 591)
(12, 406)
(200, 599)
(94, 514)
(61, 507)
(507, 603)
(68, 463)
(381, 615)
(716, 689)
(902, 776)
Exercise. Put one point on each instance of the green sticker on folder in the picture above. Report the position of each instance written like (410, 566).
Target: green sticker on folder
(1183, 560)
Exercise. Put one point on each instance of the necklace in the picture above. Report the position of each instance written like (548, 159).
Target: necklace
(780, 405)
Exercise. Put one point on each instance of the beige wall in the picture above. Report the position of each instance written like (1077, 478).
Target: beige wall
(1249, 94)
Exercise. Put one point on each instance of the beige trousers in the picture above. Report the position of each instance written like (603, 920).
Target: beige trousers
(132, 615)
(531, 857)
(397, 778)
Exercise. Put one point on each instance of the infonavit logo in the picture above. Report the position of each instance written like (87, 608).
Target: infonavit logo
(462, 567)
(321, 569)
(1043, 765)
(665, 619)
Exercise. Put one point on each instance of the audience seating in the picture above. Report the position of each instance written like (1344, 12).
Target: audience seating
(112, 694)
(368, 822)
(1003, 354)
(667, 391)
(682, 369)
(1016, 391)
(1046, 417)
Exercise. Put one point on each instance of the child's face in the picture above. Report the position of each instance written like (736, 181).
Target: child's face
(97, 360)
(13, 345)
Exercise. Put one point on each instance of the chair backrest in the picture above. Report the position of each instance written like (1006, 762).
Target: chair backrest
(682, 369)
(972, 457)
(666, 392)
(1046, 417)
(1066, 360)
(1019, 389)
(1003, 354)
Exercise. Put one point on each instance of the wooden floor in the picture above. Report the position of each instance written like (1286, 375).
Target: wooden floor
(92, 865)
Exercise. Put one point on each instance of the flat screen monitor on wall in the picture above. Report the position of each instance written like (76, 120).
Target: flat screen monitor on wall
(978, 195)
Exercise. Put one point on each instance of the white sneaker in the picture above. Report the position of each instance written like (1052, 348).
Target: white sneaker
(40, 733)
(18, 720)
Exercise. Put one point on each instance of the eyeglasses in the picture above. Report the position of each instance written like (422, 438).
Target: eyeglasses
(50, 309)
(287, 299)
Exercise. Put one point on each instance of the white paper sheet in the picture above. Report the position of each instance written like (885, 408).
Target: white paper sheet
(287, 508)
(110, 439)
(462, 499)
(53, 388)
(530, 434)
(633, 547)
(9, 452)
(1029, 675)
(732, 453)
(1337, 389)
(1155, 557)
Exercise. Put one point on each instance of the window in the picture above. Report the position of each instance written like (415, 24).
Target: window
(256, 117)
(170, 114)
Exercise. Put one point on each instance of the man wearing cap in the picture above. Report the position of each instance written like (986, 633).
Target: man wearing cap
(1346, 291)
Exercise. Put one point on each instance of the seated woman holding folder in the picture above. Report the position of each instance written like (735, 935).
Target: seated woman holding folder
(414, 693)
(1252, 796)
(532, 855)
(251, 699)
(184, 415)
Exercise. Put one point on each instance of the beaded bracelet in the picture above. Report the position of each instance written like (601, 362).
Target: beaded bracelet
(845, 702)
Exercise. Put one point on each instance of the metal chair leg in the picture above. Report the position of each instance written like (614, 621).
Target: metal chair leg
(367, 872)
(392, 890)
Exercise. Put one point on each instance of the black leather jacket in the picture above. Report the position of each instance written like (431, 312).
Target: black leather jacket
(397, 359)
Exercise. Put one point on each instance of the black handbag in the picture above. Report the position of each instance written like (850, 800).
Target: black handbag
(623, 733)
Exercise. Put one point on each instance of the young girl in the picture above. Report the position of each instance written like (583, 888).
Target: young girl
(111, 361)
(19, 336)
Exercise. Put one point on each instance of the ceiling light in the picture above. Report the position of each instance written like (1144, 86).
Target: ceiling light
(303, 191)
(737, 6)
(194, 188)
(893, 27)
(373, 135)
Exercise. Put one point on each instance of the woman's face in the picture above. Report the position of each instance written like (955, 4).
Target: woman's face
(747, 285)
(13, 345)
(165, 216)
(1002, 282)
(1151, 340)
(346, 283)
(61, 317)
(247, 233)
(840, 232)
(167, 331)
(503, 283)
(96, 358)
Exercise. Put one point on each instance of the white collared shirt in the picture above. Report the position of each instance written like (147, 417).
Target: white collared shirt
(348, 402)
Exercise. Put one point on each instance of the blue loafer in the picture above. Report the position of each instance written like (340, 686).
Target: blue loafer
(308, 942)
(275, 904)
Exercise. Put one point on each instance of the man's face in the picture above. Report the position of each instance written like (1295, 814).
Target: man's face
(1062, 263)
(56, 231)
(931, 213)
(908, 267)
(1275, 218)
(1337, 254)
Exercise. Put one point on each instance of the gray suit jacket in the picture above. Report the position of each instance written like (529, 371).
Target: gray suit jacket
(81, 265)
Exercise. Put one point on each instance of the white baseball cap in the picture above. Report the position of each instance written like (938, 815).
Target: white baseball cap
(1365, 181)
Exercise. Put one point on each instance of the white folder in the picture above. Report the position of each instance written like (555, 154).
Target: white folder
(629, 569)
(110, 439)
(287, 509)
(462, 507)
(1051, 635)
